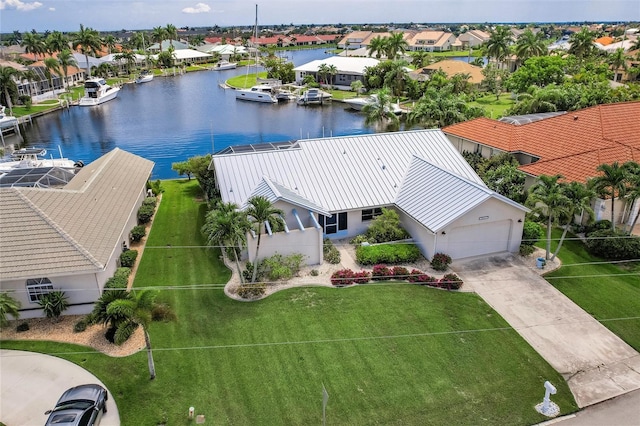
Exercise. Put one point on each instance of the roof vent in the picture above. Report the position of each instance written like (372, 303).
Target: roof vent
(575, 117)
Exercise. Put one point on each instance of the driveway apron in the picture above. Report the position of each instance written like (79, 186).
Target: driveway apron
(596, 363)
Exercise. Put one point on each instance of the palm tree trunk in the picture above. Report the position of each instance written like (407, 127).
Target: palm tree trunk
(613, 200)
(564, 234)
(86, 58)
(255, 260)
(549, 223)
(635, 220)
(235, 253)
(152, 367)
(8, 98)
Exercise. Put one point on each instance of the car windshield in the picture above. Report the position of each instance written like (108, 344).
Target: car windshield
(80, 404)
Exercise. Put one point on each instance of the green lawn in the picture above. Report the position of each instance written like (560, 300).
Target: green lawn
(244, 81)
(394, 354)
(609, 292)
(494, 108)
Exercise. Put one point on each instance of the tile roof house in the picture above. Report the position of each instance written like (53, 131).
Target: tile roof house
(70, 238)
(571, 144)
(431, 41)
(473, 38)
(333, 187)
(451, 67)
(354, 40)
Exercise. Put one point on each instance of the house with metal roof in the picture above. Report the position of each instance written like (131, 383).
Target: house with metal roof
(70, 238)
(349, 69)
(334, 187)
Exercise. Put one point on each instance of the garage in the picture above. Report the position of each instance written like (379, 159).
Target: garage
(479, 239)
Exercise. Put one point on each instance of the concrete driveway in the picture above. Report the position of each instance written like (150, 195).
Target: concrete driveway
(31, 383)
(596, 363)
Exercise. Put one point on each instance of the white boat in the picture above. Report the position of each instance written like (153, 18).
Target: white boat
(97, 91)
(32, 158)
(283, 95)
(144, 77)
(257, 93)
(313, 96)
(224, 65)
(359, 103)
(6, 120)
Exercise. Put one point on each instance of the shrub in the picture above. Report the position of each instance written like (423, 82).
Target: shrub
(613, 245)
(361, 277)
(53, 303)
(247, 274)
(138, 232)
(145, 213)
(342, 277)
(601, 225)
(531, 233)
(440, 261)
(80, 325)
(451, 282)
(413, 275)
(22, 327)
(425, 279)
(279, 267)
(386, 227)
(381, 273)
(252, 291)
(128, 258)
(526, 249)
(150, 201)
(400, 272)
(359, 239)
(162, 312)
(387, 254)
(314, 273)
(156, 187)
(120, 279)
(330, 252)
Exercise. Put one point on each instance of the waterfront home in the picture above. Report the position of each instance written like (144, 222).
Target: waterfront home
(334, 187)
(431, 41)
(349, 69)
(450, 67)
(354, 40)
(472, 39)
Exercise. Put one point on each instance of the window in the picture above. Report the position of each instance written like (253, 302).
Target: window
(333, 224)
(368, 214)
(36, 287)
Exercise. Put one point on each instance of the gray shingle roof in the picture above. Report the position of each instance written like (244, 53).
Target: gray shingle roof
(49, 232)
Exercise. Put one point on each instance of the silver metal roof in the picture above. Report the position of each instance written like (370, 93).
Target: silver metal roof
(519, 120)
(340, 173)
(273, 191)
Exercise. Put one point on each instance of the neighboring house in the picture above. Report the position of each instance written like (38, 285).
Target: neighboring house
(226, 51)
(354, 40)
(572, 144)
(39, 88)
(166, 44)
(349, 69)
(70, 238)
(450, 67)
(431, 41)
(473, 38)
(188, 56)
(334, 187)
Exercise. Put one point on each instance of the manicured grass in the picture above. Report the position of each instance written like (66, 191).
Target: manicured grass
(609, 292)
(244, 81)
(390, 354)
(494, 108)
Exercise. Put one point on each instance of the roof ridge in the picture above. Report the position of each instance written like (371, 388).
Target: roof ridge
(59, 230)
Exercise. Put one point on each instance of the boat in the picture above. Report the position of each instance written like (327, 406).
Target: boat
(224, 65)
(283, 95)
(359, 103)
(97, 91)
(6, 120)
(144, 77)
(314, 96)
(257, 93)
(32, 158)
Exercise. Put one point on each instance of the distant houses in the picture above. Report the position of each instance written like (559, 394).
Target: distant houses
(348, 70)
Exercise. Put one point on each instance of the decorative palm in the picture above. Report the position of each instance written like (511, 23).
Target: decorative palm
(51, 66)
(633, 192)
(172, 33)
(8, 306)
(547, 198)
(8, 84)
(377, 47)
(33, 43)
(66, 60)
(578, 201)
(611, 183)
(498, 43)
(129, 57)
(332, 70)
(158, 34)
(530, 45)
(88, 41)
(582, 43)
(379, 111)
(396, 76)
(323, 72)
(261, 210)
(110, 41)
(395, 44)
(56, 42)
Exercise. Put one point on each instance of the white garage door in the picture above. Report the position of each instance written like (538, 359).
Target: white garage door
(476, 240)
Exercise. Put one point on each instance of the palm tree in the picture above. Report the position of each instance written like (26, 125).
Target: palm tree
(323, 72)
(134, 311)
(171, 32)
(420, 59)
(261, 210)
(66, 60)
(633, 194)
(578, 201)
(104, 70)
(56, 42)
(197, 40)
(395, 44)
(356, 86)
(530, 45)
(30, 75)
(547, 198)
(8, 84)
(88, 40)
(226, 226)
(582, 43)
(332, 70)
(8, 306)
(379, 111)
(618, 60)
(396, 77)
(51, 65)
(498, 43)
(611, 183)
(110, 41)
(158, 34)
(439, 107)
(129, 57)
(33, 43)
(377, 47)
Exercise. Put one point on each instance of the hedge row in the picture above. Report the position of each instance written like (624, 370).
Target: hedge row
(387, 253)
(383, 273)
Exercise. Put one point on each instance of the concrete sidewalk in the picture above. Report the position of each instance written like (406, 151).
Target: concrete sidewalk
(31, 384)
(596, 363)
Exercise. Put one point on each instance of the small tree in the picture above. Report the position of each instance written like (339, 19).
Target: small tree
(53, 304)
(386, 227)
(8, 306)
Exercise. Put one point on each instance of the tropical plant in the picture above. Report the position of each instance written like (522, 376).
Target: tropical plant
(395, 45)
(33, 43)
(633, 192)
(494, 79)
(356, 86)
(56, 42)
(440, 108)
(323, 72)
(66, 60)
(8, 306)
(377, 47)
(530, 44)
(197, 40)
(579, 198)
(618, 59)
(380, 111)
(612, 183)
(110, 41)
(261, 210)
(332, 70)
(8, 85)
(396, 76)
(51, 66)
(172, 33)
(547, 198)
(498, 44)
(87, 40)
(158, 35)
(128, 57)
(582, 43)
(53, 303)
(420, 59)
(104, 70)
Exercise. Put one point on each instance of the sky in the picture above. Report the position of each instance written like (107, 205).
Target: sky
(109, 15)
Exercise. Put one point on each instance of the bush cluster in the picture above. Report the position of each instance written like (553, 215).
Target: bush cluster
(613, 245)
(601, 225)
(276, 267)
(418, 277)
(342, 277)
(381, 273)
(387, 254)
(526, 249)
(330, 252)
(145, 213)
(150, 201)
(449, 281)
(531, 233)
(128, 258)
(385, 228)
(252, 291)
(440, 261)
(138, 232)
(120, 278)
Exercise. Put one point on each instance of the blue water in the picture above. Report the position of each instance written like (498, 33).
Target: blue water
(173, 118)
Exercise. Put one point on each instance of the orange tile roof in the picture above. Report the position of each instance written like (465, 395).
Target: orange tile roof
(605, 41)
(572, 144)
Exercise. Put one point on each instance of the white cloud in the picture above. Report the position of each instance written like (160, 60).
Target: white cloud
(52, 9)
(199, 8)
(19, 5)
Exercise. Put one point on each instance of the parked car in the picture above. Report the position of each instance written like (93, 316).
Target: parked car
(82, 405)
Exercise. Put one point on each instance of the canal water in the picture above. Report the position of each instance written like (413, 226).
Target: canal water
(173, 118)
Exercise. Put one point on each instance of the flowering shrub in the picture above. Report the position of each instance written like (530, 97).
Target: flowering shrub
(440, 261)
(451, 282)
(413, 275)
(342, 277)
(361, 277)
(400, 272)
(381, 273)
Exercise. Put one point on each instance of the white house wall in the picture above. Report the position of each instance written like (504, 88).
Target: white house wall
(307, 243)
(423, 238)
